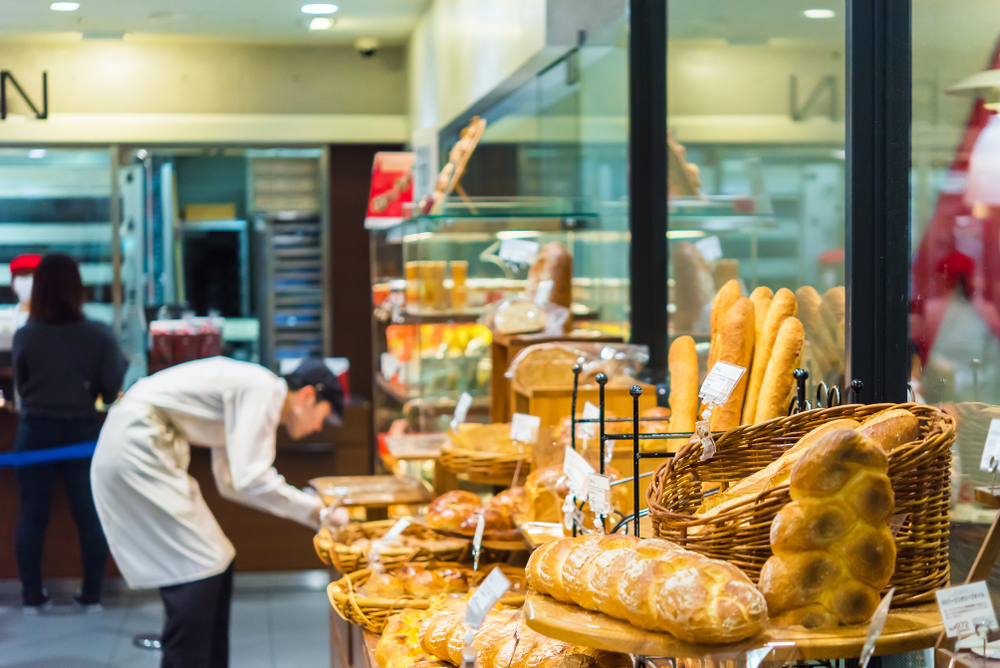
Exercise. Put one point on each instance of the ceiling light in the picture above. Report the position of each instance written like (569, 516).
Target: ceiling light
(321, 23)
(319, 8)
(819, 13)
(64, 6)
(36, 153)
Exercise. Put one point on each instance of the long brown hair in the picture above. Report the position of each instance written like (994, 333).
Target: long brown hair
(57, 291)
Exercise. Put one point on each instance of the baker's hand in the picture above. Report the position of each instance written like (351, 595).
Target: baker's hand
(334, 517)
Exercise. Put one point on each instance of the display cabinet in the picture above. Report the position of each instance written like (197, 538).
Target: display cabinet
(436, 277)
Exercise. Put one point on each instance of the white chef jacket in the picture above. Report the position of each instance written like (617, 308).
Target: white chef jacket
(158, 526)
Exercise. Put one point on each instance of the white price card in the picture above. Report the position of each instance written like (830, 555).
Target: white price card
(390, 365)
(485, 597)
(991, 451)
(875, 627)
(519, 251)
(710, 248)
(576, 469)
(477, 540)
(589, 429)
(543, 292)
(599, 494)
(524, 428)
(964, 608)
(720, 383)
(571, 514)
(461, 410)
(395, 532)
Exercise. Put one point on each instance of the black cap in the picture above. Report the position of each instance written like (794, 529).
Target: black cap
(314, 371)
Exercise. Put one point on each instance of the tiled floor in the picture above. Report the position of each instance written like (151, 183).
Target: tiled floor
(279, 621)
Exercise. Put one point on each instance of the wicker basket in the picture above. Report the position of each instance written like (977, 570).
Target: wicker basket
(485, 467)
(920, 474)
(337, 552)
(373, 613)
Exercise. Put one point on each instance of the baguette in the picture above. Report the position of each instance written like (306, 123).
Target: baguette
(724, 300)
(778, 381)
(761, 298)
(833, 307)
(783, 306)
(824, 348)
(683, 361)
(652, 584)
(735, 345)
(891, 428)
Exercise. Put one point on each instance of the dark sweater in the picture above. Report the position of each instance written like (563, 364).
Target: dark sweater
(60, 370)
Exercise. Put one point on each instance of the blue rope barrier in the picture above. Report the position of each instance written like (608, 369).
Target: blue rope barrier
(47, 455)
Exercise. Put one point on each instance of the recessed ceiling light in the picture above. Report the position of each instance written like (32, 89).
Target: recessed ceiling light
(64, 6)
(36, 153)
(819, 13)
(321, 23)
(319, 8)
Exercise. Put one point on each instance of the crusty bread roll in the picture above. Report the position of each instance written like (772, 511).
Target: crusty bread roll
(783, 306)
(778, 380)
(833, 550)
(683, 361)
(735, 345)
(724, 300)
(777, 472)
(821, 339)
(833, 307)
(761, 298)
(448, 511)
(892, 428)
(652, 584)
(693, 286)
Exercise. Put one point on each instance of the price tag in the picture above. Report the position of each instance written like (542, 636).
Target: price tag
(461, 410)
(576, 469)
(477, 541)
(485, 597)
(599, 494)
(710, 248)
(589, 429)
(720, 383)
(395, 532)
(571, 514)
(875, 629)
(703, 432)
(543, 292)
(524, 428)
(518, 251)
(966, 607)
(991, 452)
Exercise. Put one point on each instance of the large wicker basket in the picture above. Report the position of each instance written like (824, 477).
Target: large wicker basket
(373, 613)
(336, 550)
(486, 468)
(920, 474)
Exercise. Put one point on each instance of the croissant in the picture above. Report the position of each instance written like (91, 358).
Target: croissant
(652, 584)
(833, 550)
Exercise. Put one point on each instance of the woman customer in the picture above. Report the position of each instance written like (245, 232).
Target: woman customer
(62, 363)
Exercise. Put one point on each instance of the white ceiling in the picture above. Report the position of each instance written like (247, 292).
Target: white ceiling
(255, 21)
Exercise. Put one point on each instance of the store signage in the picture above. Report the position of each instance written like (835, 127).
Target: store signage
(7, 79)
(599, 494)
(391, 190)
(720, 383)
(966, 608)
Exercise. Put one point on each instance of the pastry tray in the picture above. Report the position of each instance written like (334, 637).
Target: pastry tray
(906, 630)
(372, 491)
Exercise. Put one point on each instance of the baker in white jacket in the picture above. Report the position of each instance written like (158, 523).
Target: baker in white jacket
(160, 531)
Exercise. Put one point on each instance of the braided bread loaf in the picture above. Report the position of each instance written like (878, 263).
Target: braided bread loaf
(653, 584)
(833, 550)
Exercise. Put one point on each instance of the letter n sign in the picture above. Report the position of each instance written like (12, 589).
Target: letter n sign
(6, 77)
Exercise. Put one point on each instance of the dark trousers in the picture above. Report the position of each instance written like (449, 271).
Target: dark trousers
(35, 487)
(196, 631)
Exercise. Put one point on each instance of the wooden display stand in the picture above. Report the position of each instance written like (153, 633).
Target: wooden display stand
(552, 404)
(505, 348)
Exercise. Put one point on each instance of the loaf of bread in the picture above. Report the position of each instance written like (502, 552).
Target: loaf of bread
(399, 646)
(735, 344)
(833, 550)
(652, 584)
(782, 307)
(547, 488)
(492, 438)
(442, 636)
(451, 509)
(822, 344)
(833, 307)
(891, 428)
(683, 362)
(761, 298)
(417, 581)
(553, 263)
(724, 300)
(693, 286)
(778, 380)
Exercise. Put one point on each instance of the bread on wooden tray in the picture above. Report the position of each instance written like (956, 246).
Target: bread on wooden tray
(652, 584)
(833, 550)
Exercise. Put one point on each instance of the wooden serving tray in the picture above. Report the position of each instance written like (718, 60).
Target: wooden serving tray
(906, 630)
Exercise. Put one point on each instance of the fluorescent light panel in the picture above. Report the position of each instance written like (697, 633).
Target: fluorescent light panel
(64, 6)
(819, 13)
(319, 8)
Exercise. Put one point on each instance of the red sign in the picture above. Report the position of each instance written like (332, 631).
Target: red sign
(391, 189)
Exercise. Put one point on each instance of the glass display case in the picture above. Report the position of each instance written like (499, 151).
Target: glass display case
(436, 277)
